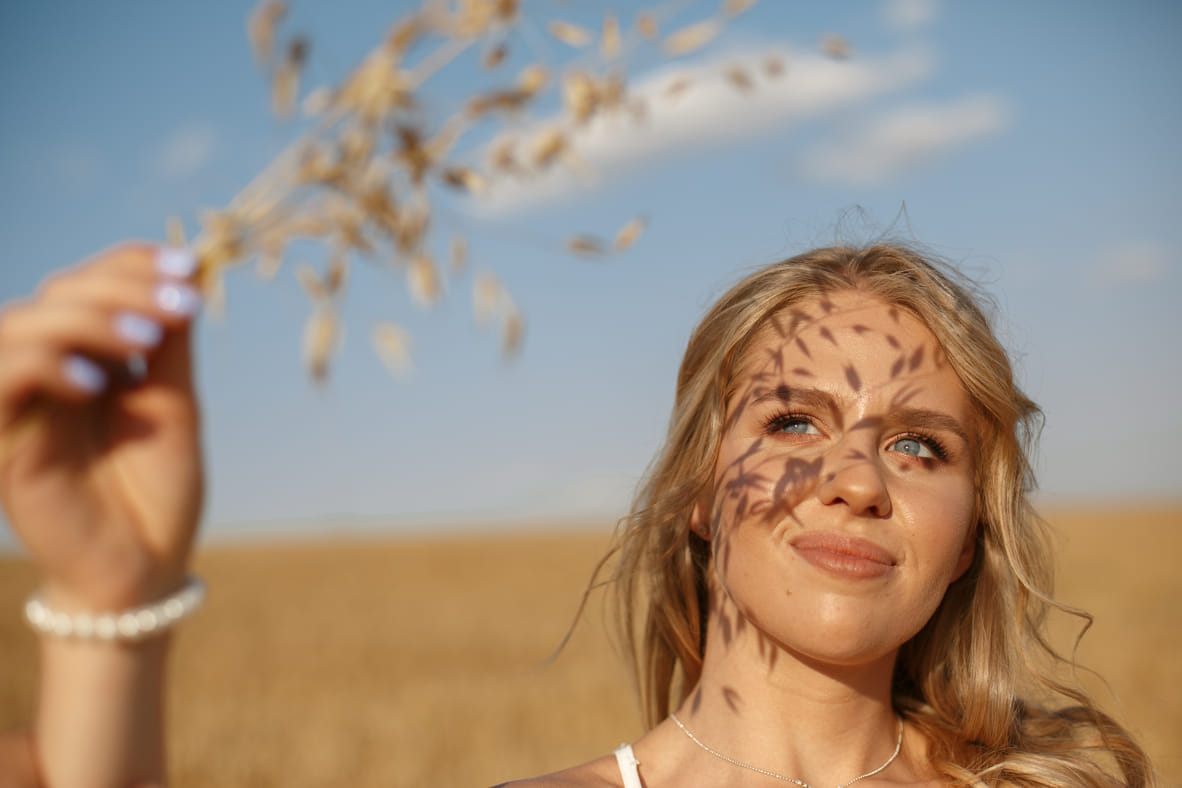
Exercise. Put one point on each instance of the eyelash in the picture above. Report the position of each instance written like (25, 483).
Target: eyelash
(777, 421)
(930, 441)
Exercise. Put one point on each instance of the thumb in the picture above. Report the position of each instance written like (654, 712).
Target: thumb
(166, 392)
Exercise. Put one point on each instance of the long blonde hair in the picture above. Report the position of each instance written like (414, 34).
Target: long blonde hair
(961, 680)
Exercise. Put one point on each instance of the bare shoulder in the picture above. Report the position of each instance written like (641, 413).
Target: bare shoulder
(599, 773)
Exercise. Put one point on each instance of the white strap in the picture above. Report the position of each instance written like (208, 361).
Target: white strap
(628, 766)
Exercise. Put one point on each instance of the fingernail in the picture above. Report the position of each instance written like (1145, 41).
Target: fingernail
(178, 299)
(84, 374)
(138, 330)
(178, 261)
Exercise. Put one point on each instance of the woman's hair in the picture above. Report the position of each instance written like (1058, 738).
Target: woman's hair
(969, 678)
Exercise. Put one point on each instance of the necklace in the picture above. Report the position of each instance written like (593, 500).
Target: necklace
(769, 773)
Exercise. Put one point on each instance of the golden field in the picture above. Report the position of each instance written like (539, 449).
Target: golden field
(412, 662)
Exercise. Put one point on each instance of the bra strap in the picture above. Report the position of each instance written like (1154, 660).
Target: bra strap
(628, 766)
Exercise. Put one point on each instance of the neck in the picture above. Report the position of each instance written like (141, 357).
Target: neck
(770, 707)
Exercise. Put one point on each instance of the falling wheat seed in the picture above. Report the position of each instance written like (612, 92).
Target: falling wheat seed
(392, 344)
(571, 35)
(322, 338)
(458, 256)
(586, 246)
(629, 234)
(647, 25)
(310, 282)
(610, 44)
(692, 38)
(360, 181)
(733, 8)
(495, 57)
(532, 79)
(739, 79)
(423, 280)
(486, 298)
(835, 47)
(261, 26)
(512, 333)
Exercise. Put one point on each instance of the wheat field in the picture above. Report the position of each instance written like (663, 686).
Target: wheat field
(411, 662)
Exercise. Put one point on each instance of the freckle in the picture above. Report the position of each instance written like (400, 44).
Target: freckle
(826, 305)
(828, 335)
(860, 329)
(892, 341)
(803, 348)
(916, 359)
(802, 372)
(897, 367)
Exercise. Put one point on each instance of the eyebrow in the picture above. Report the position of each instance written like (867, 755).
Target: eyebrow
(921, 418)
(790, 395)
(932, 420)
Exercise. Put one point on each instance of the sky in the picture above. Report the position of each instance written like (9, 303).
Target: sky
(1032, 144)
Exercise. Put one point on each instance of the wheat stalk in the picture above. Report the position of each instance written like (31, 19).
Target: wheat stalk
(358, 181)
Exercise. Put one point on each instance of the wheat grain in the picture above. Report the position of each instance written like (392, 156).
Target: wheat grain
(359, 181)
(571, 35)
(692, 38)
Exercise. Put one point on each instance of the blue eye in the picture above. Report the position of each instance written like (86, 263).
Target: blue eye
(913, 447)
(794, 425)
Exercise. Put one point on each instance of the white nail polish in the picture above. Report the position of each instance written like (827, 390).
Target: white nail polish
(178, 299)
(84, 374)
(138, 330)
(178, 261)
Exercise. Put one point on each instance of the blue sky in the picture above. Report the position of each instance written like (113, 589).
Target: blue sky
(1033, 144)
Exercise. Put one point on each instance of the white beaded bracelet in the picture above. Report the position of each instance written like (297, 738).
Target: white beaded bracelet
(136, 624)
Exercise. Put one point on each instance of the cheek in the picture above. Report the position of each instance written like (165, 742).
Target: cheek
(758, 488)
(943, 522)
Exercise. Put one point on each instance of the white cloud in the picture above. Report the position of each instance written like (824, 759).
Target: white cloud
(904, 138)
(907, 16)
(186, 150)
(1131, 263)
(710, 112)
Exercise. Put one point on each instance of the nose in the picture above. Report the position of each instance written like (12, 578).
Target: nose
(852, 477)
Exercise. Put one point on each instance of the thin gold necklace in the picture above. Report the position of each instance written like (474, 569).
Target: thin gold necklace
(769, 773)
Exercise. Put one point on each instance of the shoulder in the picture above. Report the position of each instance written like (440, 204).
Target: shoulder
(599, 773)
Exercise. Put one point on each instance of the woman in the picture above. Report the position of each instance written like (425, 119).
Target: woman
(832, 575)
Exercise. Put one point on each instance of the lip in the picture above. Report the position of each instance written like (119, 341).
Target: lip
(843, 556)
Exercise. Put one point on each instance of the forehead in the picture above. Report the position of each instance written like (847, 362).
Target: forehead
(850, 343)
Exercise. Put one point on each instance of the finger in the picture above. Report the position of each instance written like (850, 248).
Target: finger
(30, 371)
(171, 366)
(168, 301)
(99, 331)
(143, 258)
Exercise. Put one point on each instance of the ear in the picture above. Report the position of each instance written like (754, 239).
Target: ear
(967, 552)
(698, 523)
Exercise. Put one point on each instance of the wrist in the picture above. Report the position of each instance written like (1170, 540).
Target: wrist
(134, 624)
(112, 588)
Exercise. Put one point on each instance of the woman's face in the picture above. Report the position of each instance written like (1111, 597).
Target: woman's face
(843, 495)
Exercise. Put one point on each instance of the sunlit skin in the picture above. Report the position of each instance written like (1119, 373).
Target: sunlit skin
(841, 510)
(842, 507)
(843, 494)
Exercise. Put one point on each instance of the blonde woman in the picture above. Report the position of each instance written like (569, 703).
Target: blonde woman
(832, 575)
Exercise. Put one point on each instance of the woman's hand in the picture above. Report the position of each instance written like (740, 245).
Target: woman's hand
(100, 463)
